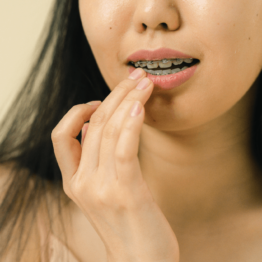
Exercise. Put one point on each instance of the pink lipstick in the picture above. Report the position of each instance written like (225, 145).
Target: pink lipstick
(168, 81)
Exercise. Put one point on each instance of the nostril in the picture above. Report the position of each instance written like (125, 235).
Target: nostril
(164, 25)
(145, 27)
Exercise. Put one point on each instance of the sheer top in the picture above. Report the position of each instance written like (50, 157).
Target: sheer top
(52, 249)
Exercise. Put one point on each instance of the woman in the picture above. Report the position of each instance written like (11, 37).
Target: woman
(179, 179)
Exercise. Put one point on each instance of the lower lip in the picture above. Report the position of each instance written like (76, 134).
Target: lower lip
(171, 81)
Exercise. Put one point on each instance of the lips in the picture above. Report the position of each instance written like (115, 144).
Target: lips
(165, 82)
(158, 54)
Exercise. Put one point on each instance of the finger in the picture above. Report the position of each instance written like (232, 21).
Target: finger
(127, 163)
(114, 126)
(91, 147)
(84, 130)
(66, 147)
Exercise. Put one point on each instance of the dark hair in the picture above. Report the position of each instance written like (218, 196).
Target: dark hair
(65, 74)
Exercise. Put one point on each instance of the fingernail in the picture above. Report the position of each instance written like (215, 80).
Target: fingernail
(94, 103)
(136, 109)
(84, 131)
(143, 84)
(136, 74)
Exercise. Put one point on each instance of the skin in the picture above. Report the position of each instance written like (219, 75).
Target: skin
(194, 140)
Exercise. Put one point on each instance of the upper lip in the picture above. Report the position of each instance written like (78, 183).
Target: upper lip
(158, 54)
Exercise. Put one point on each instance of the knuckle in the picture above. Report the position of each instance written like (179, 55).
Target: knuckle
(105, 198)
(125, 85)
(55, 135)
(121, 109)
(110, 131)
(122, 201)
(77, 108)
(57, 132)
(77, 188)
(128, 127)
(67, 190)
(120, 205)
(102, 197)
(122, 156)
(129, 99)
(98, 118)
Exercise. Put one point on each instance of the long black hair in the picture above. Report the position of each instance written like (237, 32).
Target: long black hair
(64, 74)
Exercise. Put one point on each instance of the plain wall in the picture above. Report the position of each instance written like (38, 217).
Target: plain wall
(21, 24)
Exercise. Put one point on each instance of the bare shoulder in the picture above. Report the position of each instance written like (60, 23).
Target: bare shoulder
(29, 242)
(69, 226)
(31, 250)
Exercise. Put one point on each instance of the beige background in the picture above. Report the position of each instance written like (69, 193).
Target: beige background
(21, 23)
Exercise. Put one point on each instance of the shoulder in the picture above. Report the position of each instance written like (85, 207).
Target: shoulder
(31, 249)
(58, 227)
(10, 223)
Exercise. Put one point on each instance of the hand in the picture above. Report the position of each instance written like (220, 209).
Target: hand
(104, 178)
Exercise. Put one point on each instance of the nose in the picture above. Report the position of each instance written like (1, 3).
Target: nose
(152, 15)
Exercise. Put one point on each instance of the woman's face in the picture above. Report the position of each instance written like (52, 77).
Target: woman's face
(225, 35)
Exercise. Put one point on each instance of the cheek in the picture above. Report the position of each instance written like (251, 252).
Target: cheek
(228, 32)
(105, 24)
(216, 90)
(96, 22)
(231, 48)
(231, 44)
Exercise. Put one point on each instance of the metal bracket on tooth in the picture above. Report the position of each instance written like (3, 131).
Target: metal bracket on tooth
(164, 61)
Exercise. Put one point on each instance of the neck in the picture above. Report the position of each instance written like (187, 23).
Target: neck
(203, 174)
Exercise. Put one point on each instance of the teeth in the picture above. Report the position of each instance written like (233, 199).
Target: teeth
(165, 65)
(162, 72)
(143, 64)
(152, 65)
(178, 61)
(158, 72)
(150, 71)
(140, 64)
(175, 70)
(169, 71)
(188, 60)
(166, 72)
(163, 62)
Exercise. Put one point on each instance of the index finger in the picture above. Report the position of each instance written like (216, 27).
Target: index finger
(91, 146)
(66, 147)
